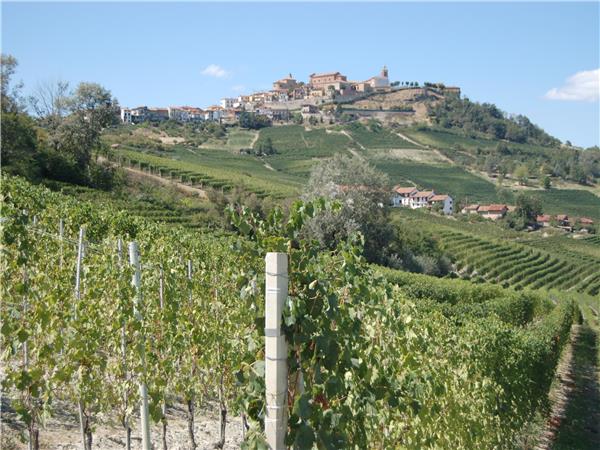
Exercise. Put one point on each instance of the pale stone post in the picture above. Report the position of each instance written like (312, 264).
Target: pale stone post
(276, 286)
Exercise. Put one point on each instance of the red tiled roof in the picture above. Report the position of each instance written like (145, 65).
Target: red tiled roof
(586, 220)
(423, 194)
(474, 207)
(543, 218)
(492, 208)
(439, 197)
(404, 190)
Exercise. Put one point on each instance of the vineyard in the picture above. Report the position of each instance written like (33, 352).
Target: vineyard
(203, 175)
(377, 358)
(520, 266)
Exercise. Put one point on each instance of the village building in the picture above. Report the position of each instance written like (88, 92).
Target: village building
(401, 195)
(543, 220)
(470, 209)
(420, 199)
(285, 84)
(494, 211)
(213, 113)
(380, 82)
(229, 102)
(125, 115)
(327, 81)
(445, 201)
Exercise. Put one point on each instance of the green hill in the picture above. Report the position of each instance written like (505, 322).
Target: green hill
(444, 160)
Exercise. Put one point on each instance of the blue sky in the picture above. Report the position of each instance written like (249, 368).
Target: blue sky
(511, 54)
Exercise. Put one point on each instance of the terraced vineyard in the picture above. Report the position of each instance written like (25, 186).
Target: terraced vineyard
(203, 175)
(521, 266)
(190, 217)
(595, 240)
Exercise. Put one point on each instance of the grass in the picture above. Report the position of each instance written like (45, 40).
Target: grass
(376, 137)
(573, 202)
(237, 139)
(295, 142)
(453, 180)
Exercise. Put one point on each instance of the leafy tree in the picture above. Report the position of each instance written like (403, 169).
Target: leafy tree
(527, 209)
(265, 147)
(253, 121)
(10, 95)
(363, 192)
(522, 174)
(546, 182)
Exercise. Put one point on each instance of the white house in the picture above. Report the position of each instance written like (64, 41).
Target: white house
(420, 199)
(401, 195)
(125, 115)
(213, 113)
(177, 113)
(228, 102)
(446, 201)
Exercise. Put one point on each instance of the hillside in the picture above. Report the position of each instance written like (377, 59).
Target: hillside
(444, 160)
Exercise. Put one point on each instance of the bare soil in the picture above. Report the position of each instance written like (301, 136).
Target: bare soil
(61, 432)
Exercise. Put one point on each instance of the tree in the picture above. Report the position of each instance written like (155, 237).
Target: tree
(522, 174)
(527, 210)
(10, 95)
(253, 121)
(546, 182)
(265, 147)
(363, 193)
(19, 142)
(50, 101)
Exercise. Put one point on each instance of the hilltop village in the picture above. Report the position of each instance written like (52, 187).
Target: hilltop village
(314, 100)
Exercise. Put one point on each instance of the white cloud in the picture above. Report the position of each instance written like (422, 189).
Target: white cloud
(214, 70)
(238, 88)
(583, 86)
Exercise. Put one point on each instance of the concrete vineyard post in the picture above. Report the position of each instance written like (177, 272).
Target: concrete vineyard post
(276, 290)
(124, 354)
(134, 259)
(78, 299)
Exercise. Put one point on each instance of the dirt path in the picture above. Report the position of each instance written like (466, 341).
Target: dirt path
(349, 136)
(406, 138)
(182, 187)
(254, 139)
(304, 140)
(140, 173)
(574, 422)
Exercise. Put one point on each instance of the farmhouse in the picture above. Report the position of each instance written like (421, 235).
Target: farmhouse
(543, 220)
(470, 209)
(412, 198)
(401, 195)
(494, 212)
(445, 201)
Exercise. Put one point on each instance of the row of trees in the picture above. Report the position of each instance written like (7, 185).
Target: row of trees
(59, 140)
